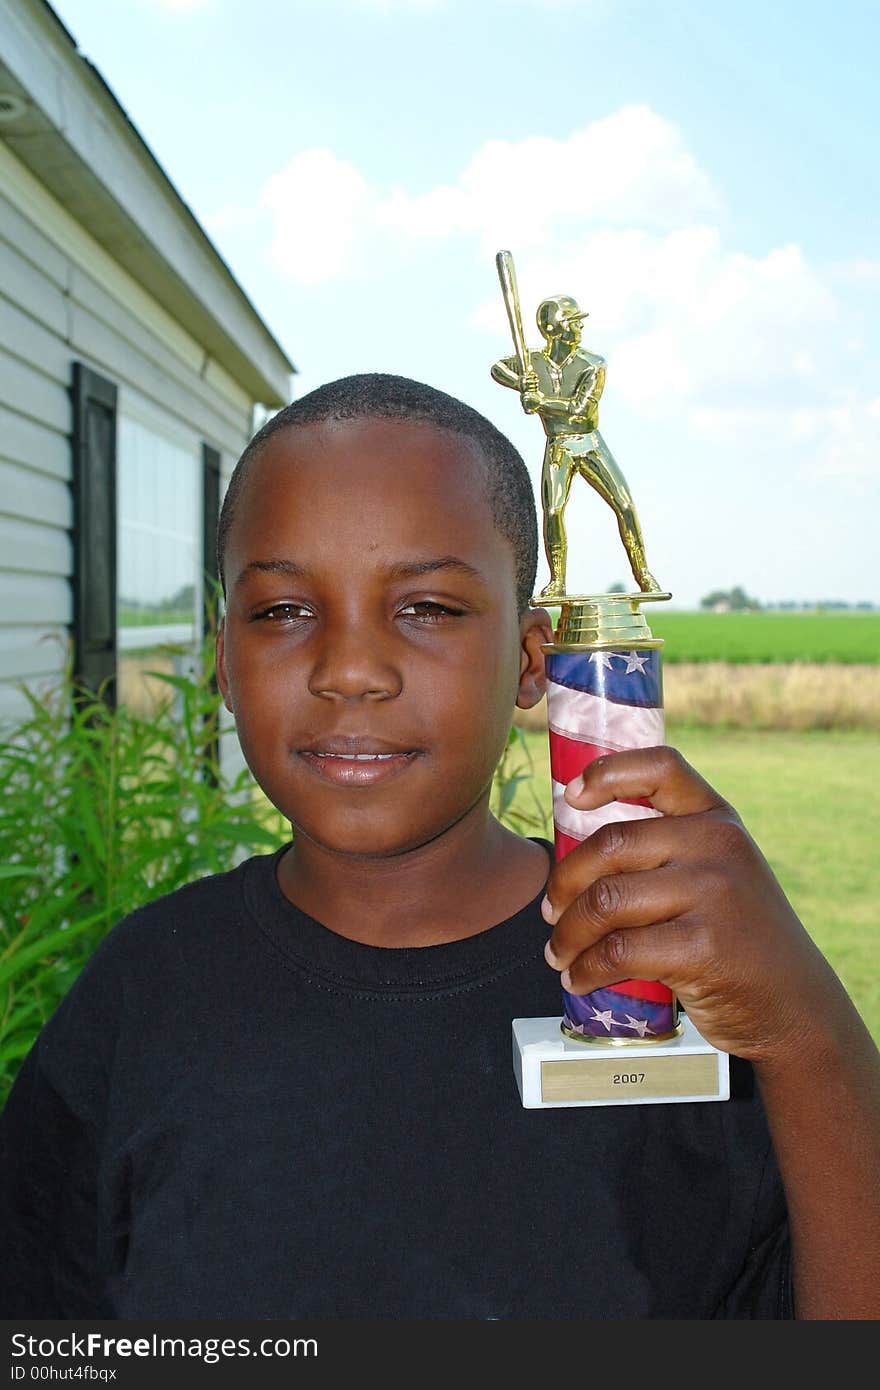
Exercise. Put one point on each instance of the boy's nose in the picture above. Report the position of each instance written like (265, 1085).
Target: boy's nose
(352, 663)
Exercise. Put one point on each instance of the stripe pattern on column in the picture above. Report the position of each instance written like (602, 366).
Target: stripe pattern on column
(603, 702)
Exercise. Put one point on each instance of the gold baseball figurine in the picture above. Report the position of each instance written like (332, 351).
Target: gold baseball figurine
(562, 383)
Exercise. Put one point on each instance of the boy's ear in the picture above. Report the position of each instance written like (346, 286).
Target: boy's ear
(220, 665)
(536, 628)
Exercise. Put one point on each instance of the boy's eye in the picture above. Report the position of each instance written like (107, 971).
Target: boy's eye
(282, 613)
(427, 610)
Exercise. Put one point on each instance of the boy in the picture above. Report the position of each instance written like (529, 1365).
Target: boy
(287, 1091)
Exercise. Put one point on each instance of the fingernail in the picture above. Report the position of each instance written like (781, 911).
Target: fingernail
(548, 911)
(550, 957)
(574, 788)
(565, 980)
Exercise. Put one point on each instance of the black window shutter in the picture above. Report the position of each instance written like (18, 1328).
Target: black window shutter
(94, 531)
(210, 517)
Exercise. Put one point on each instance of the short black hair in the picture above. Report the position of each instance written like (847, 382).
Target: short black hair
(372, 395)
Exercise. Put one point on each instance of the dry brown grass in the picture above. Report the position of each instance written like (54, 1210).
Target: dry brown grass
(798, 695)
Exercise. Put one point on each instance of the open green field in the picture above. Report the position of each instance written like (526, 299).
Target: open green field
(811, 800)
(767, 636)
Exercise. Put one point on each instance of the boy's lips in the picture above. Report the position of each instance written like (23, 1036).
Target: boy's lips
(356, 762)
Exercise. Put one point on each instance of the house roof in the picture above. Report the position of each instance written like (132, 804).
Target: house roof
(77, 139)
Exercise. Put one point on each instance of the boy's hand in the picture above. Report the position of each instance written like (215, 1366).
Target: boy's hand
(686, 898)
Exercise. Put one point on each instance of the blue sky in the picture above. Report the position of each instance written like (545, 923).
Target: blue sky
(701, 176)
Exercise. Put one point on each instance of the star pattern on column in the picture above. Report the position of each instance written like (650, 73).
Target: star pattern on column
(639, 1025)
(634, 662)
(605, 1017)
(603, 659)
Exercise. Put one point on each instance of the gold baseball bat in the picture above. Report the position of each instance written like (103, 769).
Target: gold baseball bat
(507, 276)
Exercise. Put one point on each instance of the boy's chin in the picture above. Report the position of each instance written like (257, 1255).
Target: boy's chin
(374, 842)
(362, 846)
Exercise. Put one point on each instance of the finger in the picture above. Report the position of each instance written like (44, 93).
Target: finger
(618, 846)
(631, 846)
(665, 951)
(619, 902)
(661, 775)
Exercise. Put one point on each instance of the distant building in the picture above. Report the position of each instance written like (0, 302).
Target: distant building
(131, 368)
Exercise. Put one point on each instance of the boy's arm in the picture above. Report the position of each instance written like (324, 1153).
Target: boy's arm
(823, 1104)
(50, 1137)
(688, 898)
(47, 1210)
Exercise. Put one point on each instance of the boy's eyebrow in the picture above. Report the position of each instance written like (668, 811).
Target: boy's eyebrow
(270, 567)
(411, 570)
(404, 569)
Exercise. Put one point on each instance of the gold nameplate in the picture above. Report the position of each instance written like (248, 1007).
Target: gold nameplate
(641, 1078)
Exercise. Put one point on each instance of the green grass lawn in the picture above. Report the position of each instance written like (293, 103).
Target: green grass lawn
(811, 801)
(767, 636)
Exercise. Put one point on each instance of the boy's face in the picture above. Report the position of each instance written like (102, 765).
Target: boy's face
(371, 650)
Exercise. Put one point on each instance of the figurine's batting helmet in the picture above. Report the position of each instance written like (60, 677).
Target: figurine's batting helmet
(553, 314)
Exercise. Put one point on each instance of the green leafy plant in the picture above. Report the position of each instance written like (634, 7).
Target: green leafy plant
(515, 800)
(102, 810)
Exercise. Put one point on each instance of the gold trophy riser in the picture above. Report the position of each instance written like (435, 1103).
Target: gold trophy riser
(604, 622)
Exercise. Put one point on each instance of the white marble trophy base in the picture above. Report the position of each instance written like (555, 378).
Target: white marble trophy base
(552, 1070)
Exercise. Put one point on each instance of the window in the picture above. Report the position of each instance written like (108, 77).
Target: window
(159, 538)
(147, 494)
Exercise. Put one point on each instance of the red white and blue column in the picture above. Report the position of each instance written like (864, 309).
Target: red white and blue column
(603, 698)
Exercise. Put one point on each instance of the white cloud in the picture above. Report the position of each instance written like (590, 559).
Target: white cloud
(839, 438)
(849, 452)
(859, 271)
(317, 204)
(629, 168)
(685, 321)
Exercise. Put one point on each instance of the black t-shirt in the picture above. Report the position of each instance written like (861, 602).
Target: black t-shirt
(237, 1113)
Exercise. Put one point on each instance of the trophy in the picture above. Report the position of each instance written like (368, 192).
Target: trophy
(629, 1043)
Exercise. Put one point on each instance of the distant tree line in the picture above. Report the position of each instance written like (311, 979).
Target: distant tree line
(827, 603)
(736, 600)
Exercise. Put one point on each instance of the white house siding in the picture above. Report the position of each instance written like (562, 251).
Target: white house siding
(63, 298)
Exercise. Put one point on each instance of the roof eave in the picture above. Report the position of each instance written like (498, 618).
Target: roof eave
(79, 142)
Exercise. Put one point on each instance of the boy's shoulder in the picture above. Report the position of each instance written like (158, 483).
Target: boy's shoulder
(200, 905)
(151, 972)
(178, 926)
